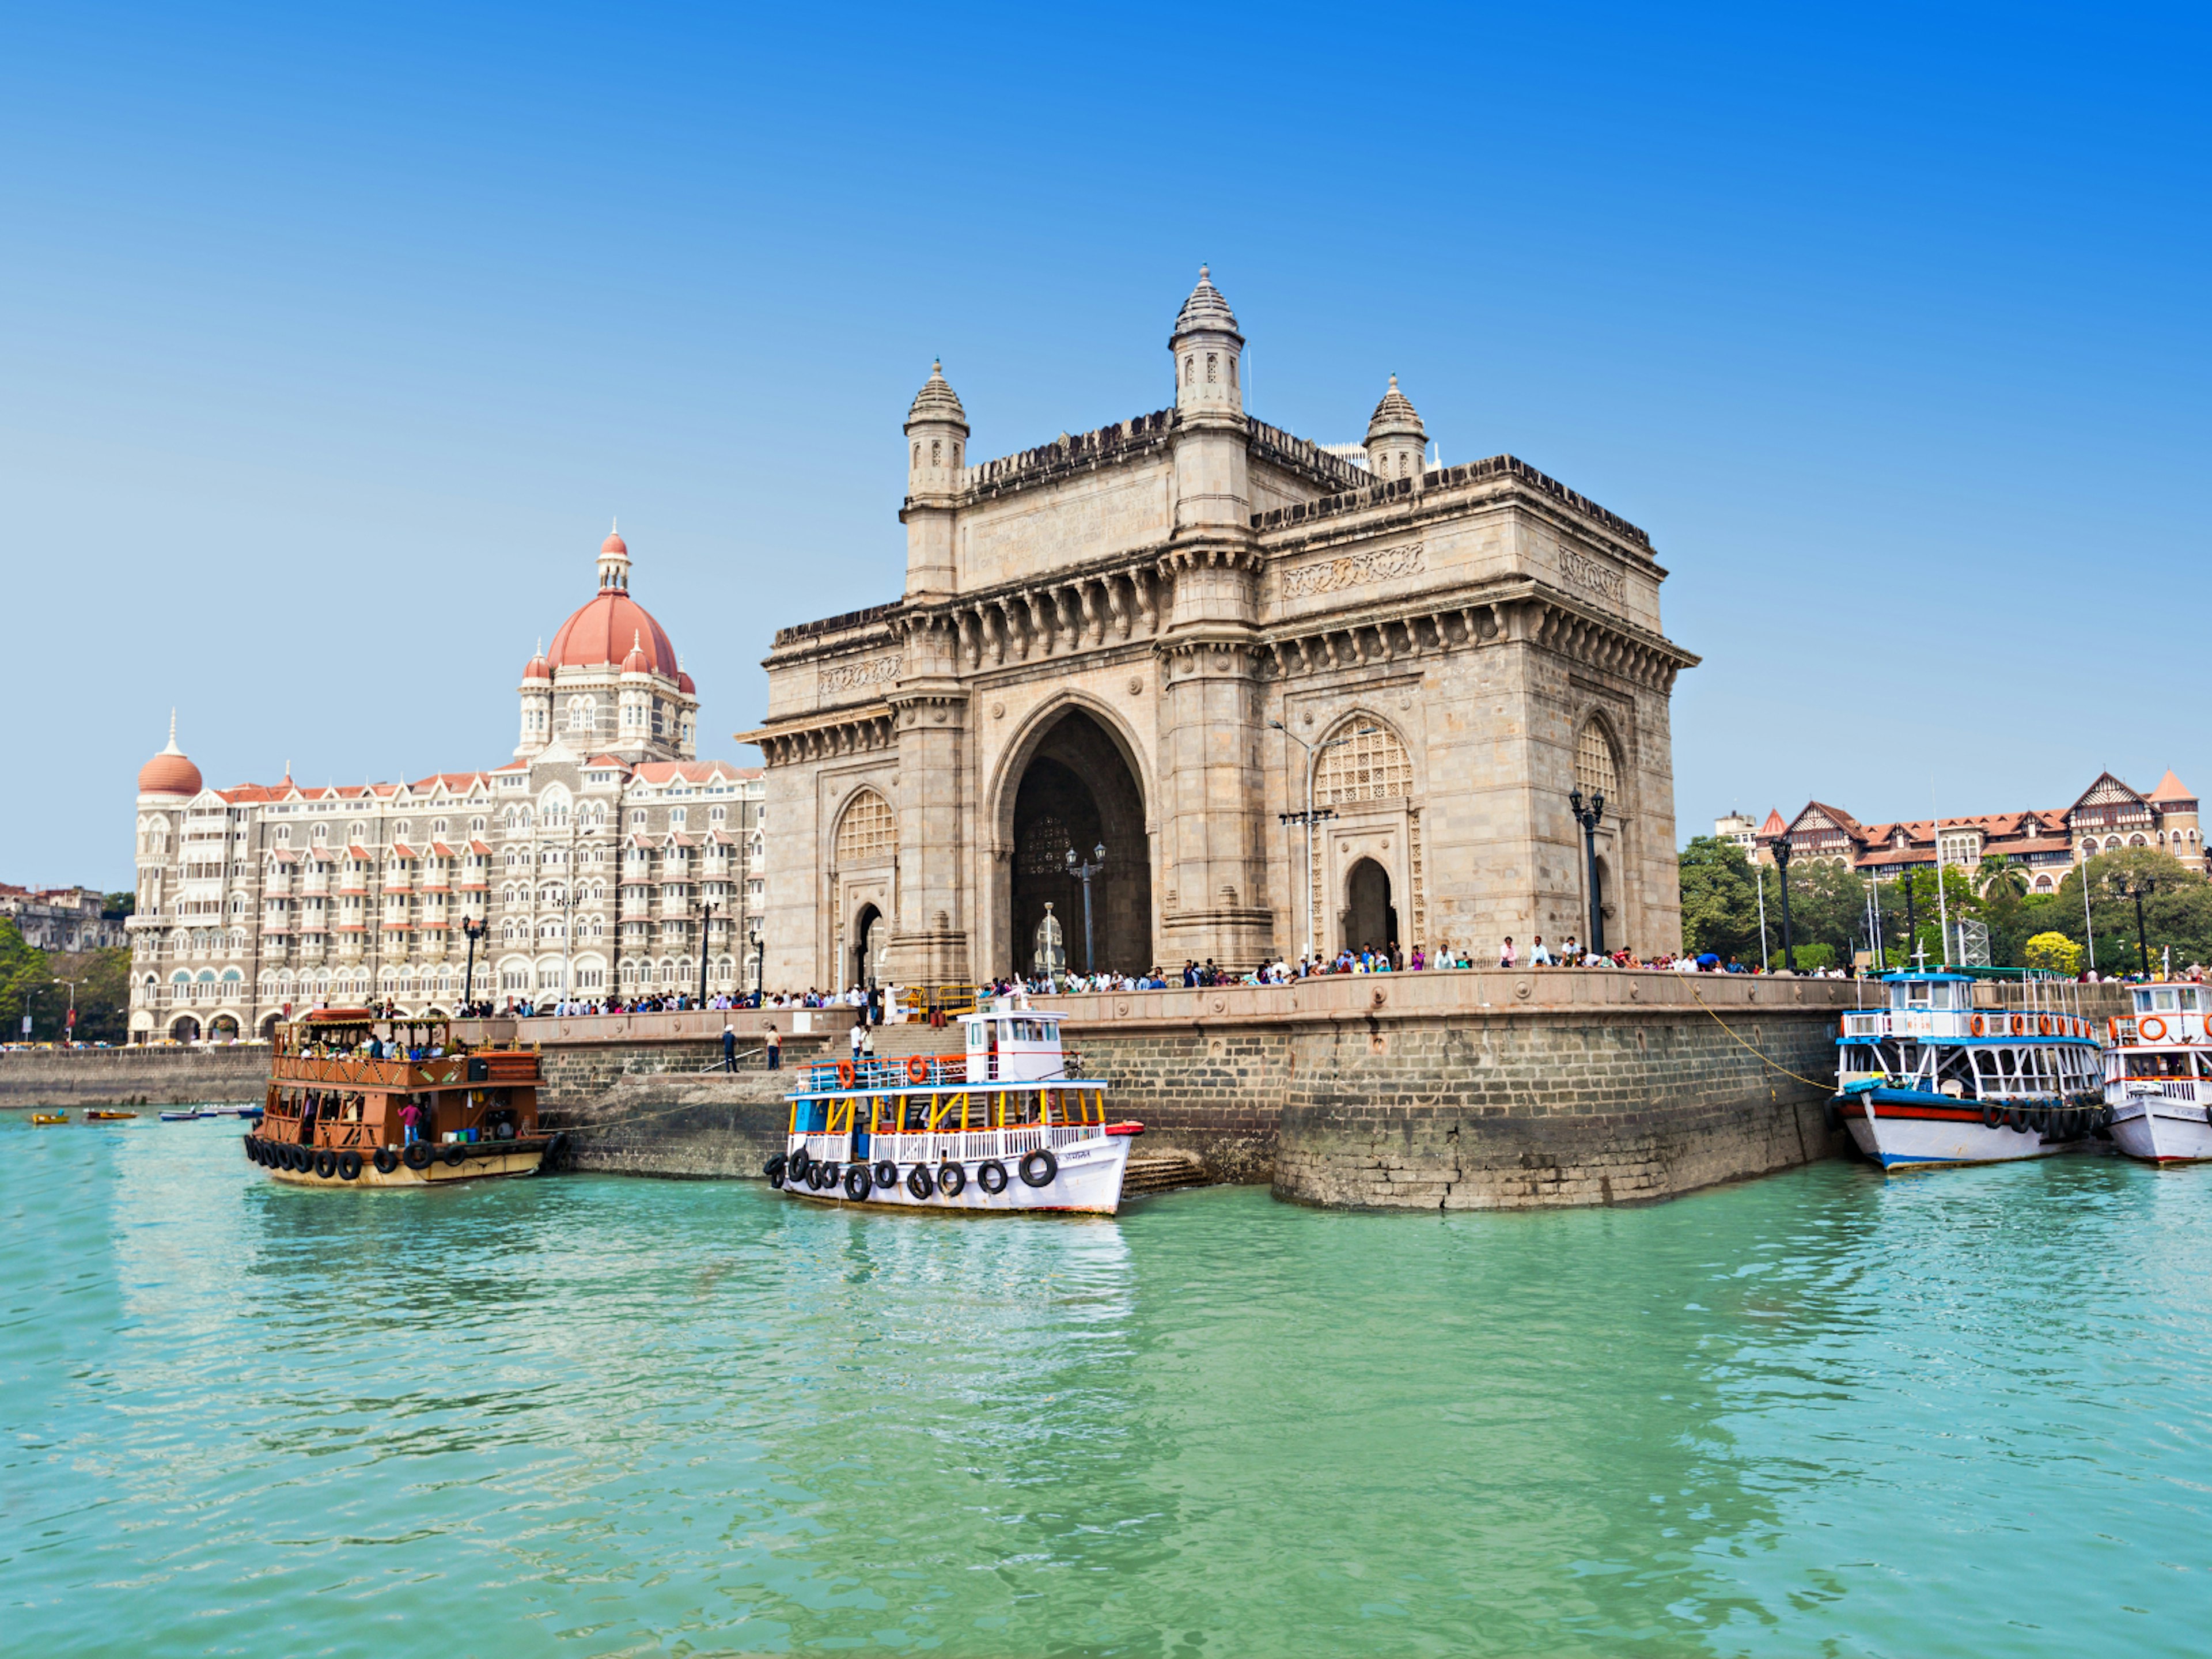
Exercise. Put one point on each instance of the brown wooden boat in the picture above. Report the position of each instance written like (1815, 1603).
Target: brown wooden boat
(340, 1080)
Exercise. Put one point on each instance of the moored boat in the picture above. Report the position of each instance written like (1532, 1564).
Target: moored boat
(1008, 1126)
(2157, 1075)
(1933, 1080)
(50, 1117)
(341, 1085)
(108, 1116)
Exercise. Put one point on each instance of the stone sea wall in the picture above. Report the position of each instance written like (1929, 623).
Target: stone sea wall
(133, 1077)
(1477, 1090)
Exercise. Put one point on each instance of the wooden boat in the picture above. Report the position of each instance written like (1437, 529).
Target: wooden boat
(107, 1117)
(1934, 1081)
(340, 1080)
(1009, 1126)
(2157, 1075)
(50, 1117)
(192, 1116)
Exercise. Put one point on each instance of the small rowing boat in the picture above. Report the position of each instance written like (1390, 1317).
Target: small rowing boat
(50, 1117)
(107, 1117)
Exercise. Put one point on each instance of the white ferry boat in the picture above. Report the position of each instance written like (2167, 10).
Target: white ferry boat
(1932, 1080)
(2157, 1075)
(1008, 1125)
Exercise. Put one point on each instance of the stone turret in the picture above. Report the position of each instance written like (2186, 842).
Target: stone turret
(937, 444)
(537, 695)
(1207, 349)
(1396, 441)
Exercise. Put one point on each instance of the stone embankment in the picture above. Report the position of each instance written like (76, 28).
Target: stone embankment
(213, 1076)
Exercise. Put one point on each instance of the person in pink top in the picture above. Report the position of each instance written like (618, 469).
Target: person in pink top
(411, 1116)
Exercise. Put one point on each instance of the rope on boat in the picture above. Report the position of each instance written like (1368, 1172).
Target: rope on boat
(1809, 1082)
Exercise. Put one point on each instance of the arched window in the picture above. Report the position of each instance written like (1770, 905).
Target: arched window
(583, 714)
(1594, 772)
(867, 834)
(1368, 763)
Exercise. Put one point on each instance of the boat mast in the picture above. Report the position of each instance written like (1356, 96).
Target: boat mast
(1942, 909)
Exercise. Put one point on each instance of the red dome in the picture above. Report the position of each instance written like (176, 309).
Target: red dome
(536, 669)
(169, 773)
(614, 543)
(683, 684)
(594, 636)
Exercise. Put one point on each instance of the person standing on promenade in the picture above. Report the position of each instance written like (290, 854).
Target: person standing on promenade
(729, 1047)
(1505, 956)
(775, 1050)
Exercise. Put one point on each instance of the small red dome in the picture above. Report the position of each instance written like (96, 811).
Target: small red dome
(614, 543)
(683, 684)
(169, 773)
(536, 669)
(637, 662)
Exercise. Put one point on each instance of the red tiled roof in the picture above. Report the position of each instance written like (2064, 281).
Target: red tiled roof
(2171, 788)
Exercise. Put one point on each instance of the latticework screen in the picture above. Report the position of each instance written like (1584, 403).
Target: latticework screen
(1594, 769)
(1372, 765)
(867, 834)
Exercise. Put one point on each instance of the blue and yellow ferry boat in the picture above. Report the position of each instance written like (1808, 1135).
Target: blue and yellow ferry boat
(1934, 1079)
(1009, 1124)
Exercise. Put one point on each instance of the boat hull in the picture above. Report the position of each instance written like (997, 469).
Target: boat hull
(2162, 1131)
(1904, 1132)
(1087, 1182)
(480, 1162)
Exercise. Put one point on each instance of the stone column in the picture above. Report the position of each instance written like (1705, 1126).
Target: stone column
(930, 932)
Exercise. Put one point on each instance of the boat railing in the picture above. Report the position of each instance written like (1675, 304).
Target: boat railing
(973, 1145)
(1942, 1025)
(497, 1066)
(2170, 1088)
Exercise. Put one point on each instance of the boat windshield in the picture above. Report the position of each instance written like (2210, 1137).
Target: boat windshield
(2167, 1000)
(1923, 994)
(2159, 1065)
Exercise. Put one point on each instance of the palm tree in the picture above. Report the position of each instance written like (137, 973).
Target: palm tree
(1999, 871)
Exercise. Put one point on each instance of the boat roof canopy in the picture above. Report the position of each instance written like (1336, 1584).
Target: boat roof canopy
(1930, 976)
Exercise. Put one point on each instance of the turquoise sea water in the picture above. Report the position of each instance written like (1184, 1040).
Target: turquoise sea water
(1967, 1413)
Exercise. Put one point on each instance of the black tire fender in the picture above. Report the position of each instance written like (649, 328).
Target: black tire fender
(386, 1160)
(1991, 1117)
(991, 1176)
(774, 1169)
(418, 1156)
(1039, 1167)
(826, 1176)
(951, 1179)
(326, 1164)
(858, 1181)
(917, 1181)
(349, 1165)
(455, 1152)
(794, 1166)
(886, 1174)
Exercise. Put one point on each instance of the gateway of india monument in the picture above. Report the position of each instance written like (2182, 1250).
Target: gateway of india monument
(1161, 637)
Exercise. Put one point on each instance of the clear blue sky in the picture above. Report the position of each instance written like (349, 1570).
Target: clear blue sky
(331, 338)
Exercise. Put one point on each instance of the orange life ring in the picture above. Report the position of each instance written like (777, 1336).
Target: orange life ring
(2042, 1025)
(917, 1069)
(844, 1074)
(1979, 1026)
(2018, 1024)
(2143, 1030)
(2111, 1029)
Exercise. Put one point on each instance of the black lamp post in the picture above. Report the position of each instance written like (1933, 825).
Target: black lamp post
(759, 962)
(1782, 863)
(1588, 817)
(706, 925)
(474, 931)
(2138, 888)
(1083, 872)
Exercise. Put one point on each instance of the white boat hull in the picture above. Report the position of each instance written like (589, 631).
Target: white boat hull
(1088, 1182)
(2161, 1131)
(1902, 1143)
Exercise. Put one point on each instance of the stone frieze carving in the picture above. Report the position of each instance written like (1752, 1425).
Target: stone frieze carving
(1601, 579)
(1351, 570)
(850, 676)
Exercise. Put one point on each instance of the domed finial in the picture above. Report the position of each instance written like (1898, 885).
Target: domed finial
(173, 733)
(1202, 270)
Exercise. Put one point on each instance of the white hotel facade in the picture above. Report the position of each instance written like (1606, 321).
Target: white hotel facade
(600, 858)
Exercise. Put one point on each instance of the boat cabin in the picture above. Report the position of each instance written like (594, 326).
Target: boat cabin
(2166, 1013)
(1014, 1045)
(342, 1078)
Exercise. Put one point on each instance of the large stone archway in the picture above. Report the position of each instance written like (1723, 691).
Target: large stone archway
(1078, 792)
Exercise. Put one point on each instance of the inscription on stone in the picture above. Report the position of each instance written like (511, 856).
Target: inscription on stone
(847, 675)
(1599, 578)
(1351, 569)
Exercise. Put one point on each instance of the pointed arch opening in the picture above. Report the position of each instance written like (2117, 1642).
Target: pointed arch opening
(1078, 792)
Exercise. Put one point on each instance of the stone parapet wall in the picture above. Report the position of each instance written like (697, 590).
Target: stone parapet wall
(718, 1127)
(233, 1075)
(585, 1057)
(1477, 1089)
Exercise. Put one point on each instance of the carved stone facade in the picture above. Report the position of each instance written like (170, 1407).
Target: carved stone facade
(1155, 638)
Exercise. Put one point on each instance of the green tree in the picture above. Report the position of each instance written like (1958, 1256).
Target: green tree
(1720, 905)
(118, 907)
(2177, 915)
(32, 982)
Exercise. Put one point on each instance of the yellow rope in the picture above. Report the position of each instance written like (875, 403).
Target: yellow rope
(1828, 1088)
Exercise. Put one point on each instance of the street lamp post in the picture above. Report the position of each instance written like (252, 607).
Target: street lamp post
(472, 930)
(69, 1020)
(706, 925)
(1588, 815)
(1311, 816)
(1083, 872)
(1789, 944)
(2138, 888)
(760, 961)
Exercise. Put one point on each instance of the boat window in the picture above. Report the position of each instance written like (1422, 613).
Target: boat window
(2203, 1065)
(1897, 996)
(2157, 1065)
(2188, 996)
(2142, 1002)
(2162, 1001)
